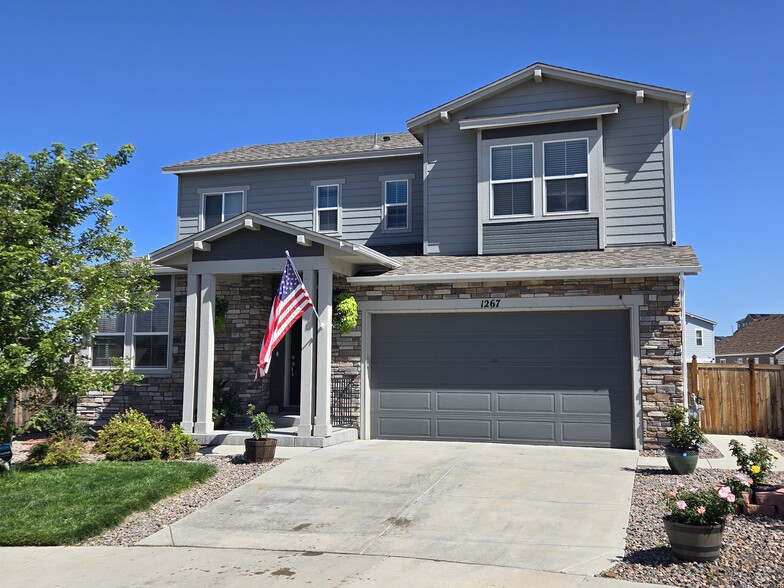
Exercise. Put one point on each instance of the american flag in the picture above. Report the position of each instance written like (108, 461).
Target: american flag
(289, 304)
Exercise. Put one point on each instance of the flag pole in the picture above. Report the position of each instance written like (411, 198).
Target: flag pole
(313, 308)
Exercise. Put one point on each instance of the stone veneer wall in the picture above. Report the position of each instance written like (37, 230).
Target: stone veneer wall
(660, 329)
(158, 397)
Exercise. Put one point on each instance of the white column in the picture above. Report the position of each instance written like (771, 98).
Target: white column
(323, 423)
(203, 422)
(191, 347)
(306, 363)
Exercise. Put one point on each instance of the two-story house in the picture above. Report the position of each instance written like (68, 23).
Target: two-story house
(512, 254)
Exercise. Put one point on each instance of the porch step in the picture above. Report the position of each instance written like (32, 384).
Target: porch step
(286, 436)
(284, 421)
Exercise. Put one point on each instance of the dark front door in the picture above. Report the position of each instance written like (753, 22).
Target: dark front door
(285, 369)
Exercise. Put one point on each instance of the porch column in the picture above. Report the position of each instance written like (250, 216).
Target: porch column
(323, 423)
(203, 422)
(191, 347)
(305, 428)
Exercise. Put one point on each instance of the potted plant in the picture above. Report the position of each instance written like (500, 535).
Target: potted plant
(695, 525)
(754, 466)
(224, 403)
(685, 437)
(259, 448)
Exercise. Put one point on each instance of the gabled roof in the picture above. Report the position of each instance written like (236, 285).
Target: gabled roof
(561, 73)
(253, 221)
(701, 318)
(762, 337)
(656, 260)
(304, 152)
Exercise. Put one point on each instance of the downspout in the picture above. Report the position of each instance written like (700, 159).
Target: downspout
(671, 198)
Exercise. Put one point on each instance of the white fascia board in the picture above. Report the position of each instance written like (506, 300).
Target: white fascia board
(526, 275)
(544, 116)
(187, 169)
(702, 318)
(745, 353)
(779, 350)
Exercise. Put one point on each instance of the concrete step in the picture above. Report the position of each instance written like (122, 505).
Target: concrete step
(285, 420)
(286, 436)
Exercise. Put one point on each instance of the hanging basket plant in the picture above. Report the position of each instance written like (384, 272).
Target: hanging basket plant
(345, 312)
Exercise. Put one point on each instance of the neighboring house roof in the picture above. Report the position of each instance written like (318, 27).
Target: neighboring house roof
(689, 314)
(303, 152)
(762, 337)
(571, 75)
(613, 262)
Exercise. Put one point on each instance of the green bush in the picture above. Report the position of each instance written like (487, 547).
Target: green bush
(756, 463)
(345, 312)
(57, 452)
(685, 434)
(58, 421)
(178, 444)
(260, 424)
(130, 436)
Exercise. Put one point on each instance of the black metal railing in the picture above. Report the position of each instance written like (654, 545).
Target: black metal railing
(345, 401)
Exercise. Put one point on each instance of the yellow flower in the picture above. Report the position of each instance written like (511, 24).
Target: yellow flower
(755, 469)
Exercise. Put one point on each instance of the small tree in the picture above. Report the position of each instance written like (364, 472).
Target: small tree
(62, 265)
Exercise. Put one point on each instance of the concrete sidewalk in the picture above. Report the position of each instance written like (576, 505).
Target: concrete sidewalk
(722, 443)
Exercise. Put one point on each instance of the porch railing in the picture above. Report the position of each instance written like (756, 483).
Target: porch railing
(345, 401)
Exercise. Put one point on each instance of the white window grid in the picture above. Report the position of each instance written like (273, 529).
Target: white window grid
(567, 177)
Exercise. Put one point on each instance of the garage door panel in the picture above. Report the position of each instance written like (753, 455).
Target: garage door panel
(405, 427)
(551, 377)
(464, 401)
(527, 402)
(526, 431)
(471, 429)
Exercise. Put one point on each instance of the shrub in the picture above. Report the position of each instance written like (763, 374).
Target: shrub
(58, 421)
(130, 436)
(260, 424)
(756, 463)
(684, 434)
(345, 313)
(57, 452)
(701, 507)
(178, 444)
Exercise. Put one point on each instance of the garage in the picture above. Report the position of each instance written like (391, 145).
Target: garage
(538, 377)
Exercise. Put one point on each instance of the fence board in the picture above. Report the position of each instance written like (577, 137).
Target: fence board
(740, 398)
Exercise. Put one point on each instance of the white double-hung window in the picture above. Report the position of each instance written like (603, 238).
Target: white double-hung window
(327, 212)
(566, 176)
(511, 180)
(219, 205)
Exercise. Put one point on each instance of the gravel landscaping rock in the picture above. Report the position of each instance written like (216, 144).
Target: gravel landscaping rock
(776, 445)
(753, 552)
(708, 451)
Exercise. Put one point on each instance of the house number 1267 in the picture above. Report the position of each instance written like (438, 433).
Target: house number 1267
(486, 303)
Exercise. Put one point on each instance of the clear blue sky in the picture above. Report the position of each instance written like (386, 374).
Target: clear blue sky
(182, 79)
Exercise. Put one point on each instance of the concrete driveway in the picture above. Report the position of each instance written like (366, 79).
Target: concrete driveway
(536, 508)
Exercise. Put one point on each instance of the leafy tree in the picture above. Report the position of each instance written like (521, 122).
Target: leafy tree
(62, 265)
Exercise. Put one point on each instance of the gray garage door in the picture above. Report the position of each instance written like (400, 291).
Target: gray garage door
(551, 378)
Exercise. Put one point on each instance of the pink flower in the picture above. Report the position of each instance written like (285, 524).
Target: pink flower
(729, 517)
(701, 509)
(681, 505)
(725, 491)
(671, 494)
(680, 485)
(730, 498)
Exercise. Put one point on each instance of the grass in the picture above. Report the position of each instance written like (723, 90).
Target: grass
(61, 505)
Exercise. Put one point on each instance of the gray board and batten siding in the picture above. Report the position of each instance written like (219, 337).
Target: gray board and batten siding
(540, 377)
(286, 193)
(636, 166)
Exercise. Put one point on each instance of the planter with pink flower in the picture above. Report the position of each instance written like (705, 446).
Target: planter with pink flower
(695, 525)
(755, 465)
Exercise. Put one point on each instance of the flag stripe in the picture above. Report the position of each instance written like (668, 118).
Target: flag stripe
(290, 303)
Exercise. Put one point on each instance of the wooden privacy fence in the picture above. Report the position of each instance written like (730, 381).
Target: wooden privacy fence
(739, 398)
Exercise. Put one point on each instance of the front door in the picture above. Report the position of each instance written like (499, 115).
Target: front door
(285, 370)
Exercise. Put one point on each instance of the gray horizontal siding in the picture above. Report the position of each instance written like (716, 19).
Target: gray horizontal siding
(541, 236)
(286, 194)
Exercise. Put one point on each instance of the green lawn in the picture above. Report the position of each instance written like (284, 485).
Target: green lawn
(50, 505)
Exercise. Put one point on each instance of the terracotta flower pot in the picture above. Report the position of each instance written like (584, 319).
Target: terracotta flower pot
(681, 461)
(694, 542)
(260, 450)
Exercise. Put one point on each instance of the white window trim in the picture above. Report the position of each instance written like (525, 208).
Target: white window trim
(222, 190)
(384, 206)
(324, 184)
(128, 341)
(699, 338)
(586, 175)
(532, 181)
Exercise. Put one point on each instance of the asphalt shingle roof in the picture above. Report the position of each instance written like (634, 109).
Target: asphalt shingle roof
(764, 335)
(303, 149)
(611, 258)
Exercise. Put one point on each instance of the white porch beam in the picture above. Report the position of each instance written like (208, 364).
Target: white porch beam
(323, 421)
(272, 265)
(191, 348)
(203, 422)
(306, 404)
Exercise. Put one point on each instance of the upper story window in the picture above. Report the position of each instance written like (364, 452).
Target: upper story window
(396, 202)
(566, 176)
(327, 214)
(511, 179)
(219, 205)
(698, 336)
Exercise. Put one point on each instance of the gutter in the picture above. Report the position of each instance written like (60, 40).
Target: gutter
(439, 278)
